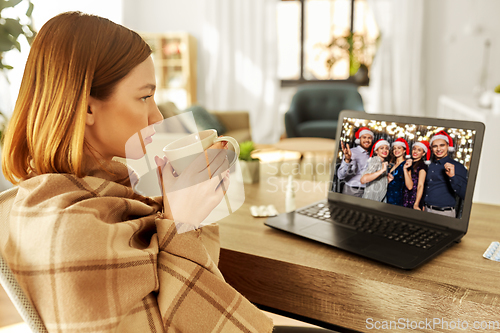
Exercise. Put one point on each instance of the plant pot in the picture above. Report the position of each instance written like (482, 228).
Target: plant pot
(361, 76)
(250, 171)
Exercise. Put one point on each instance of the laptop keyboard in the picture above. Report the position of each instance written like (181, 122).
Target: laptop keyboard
(377, 225)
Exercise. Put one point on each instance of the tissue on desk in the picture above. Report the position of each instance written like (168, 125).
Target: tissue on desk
(263, 211)
(493, 252)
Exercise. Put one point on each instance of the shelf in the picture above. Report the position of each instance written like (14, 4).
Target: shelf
(174, 56)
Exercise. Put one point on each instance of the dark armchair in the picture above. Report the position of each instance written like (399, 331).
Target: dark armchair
(315, 109)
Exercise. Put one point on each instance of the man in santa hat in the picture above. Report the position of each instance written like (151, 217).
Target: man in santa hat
(354, 162)
(446, 178)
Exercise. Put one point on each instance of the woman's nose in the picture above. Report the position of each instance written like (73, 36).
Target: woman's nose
(156, 115)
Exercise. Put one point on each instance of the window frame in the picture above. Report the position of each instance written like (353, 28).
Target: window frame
(301, 80)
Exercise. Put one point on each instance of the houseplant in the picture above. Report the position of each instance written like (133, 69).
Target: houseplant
(357, 48)
(10, 31)
(12, 28)
(249, 165)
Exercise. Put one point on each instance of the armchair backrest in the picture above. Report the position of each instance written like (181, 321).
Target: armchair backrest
(7, 278)
(325, 101)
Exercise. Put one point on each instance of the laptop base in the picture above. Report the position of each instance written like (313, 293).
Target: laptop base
(388, 251)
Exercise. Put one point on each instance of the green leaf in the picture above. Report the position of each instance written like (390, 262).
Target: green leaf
(6, 43)
(10, 3)
(246, 149)
(13, 27)
(17, 45)
(29, 12)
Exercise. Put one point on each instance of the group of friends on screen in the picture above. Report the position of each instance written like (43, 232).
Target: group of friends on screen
(424, 177)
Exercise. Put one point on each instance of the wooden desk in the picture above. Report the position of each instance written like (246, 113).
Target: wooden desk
(332, 288)
(306, 145)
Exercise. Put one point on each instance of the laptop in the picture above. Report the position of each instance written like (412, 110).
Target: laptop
(383, 229)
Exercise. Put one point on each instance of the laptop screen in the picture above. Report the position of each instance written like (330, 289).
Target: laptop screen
(418, 165)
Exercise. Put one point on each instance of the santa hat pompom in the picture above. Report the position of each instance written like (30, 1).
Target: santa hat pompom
(446, 137)
(362, 131)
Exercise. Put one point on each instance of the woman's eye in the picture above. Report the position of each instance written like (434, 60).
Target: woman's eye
(145, 98)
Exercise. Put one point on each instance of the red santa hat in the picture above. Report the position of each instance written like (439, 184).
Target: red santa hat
(426, 147)
(444, 136)
(378, 144)
(362, 131)
(402, 142)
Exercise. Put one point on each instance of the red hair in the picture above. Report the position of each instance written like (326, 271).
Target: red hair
(73, 56)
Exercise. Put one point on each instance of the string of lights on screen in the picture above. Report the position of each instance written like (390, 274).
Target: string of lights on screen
(463, 139)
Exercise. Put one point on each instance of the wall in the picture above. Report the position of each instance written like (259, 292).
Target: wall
(168, 15)
(454, 35)
(43, 11)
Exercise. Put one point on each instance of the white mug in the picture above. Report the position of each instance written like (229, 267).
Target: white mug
(182, 152)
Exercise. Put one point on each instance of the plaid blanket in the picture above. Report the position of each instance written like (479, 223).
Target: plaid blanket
(93, 256)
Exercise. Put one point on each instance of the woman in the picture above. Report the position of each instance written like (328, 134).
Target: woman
(92, 254)
(399, 152)
(375, 174)
(415, 171)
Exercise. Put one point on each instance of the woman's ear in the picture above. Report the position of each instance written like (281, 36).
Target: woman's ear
(91, 108)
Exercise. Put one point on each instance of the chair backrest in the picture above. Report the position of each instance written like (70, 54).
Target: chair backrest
(325, 101)
(8, 279)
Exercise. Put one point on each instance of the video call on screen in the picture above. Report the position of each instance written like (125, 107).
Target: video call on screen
(434, 181)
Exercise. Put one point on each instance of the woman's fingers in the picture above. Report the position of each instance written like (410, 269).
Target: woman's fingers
(220, 165)
(221, 190)
(160, 162)
(208, 163)
(216, 181)
(219, 145)
(167, 171)
(206, 159)
(207, 166)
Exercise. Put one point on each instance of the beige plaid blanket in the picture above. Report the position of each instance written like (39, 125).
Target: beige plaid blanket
(93, 256)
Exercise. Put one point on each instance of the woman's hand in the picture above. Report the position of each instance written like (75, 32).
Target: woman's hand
(384, 167)
(408, 164)
(415, 206)
(390, 177)
(190, 197)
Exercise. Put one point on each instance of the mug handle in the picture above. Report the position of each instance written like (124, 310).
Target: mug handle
(235, 145)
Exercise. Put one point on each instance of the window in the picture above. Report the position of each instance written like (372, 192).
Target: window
(325, 40)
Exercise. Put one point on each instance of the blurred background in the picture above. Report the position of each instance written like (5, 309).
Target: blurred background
(434, 58)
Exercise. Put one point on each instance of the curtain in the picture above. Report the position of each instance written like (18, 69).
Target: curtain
(239, 62)
(396, 78)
